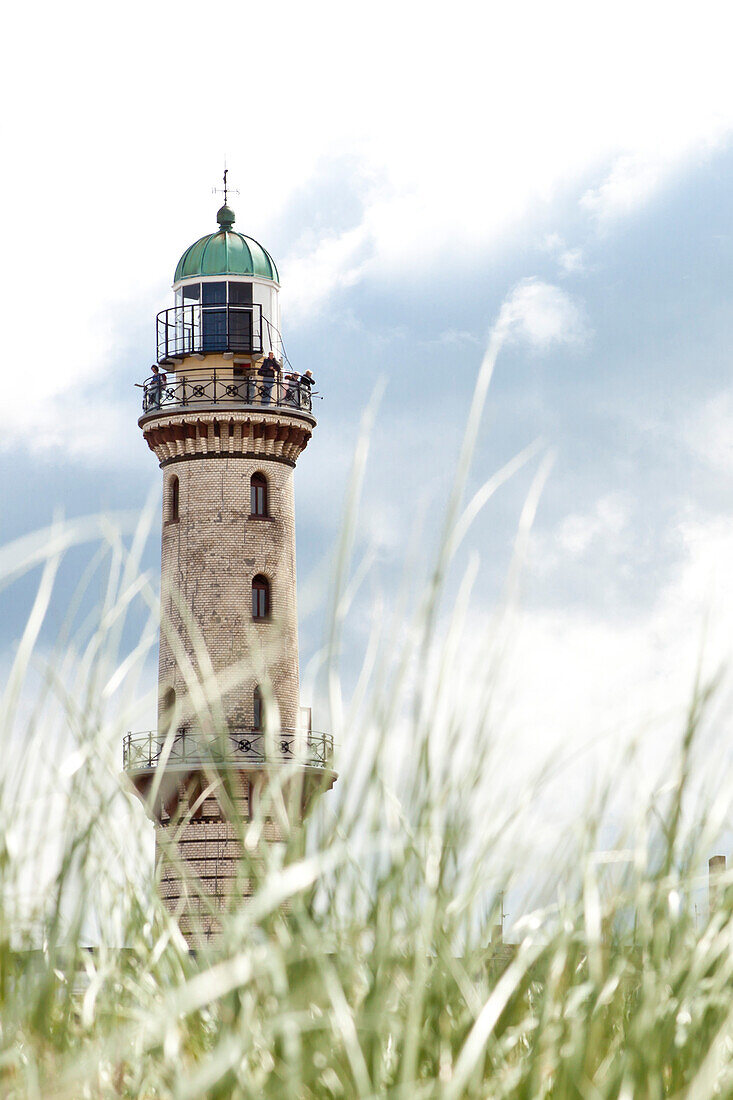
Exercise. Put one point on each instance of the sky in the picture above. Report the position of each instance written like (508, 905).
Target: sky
(417, 171)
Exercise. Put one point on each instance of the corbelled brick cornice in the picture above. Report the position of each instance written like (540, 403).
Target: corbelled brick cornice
(225, 434)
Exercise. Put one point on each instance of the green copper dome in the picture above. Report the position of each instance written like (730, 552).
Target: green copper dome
(226, 252)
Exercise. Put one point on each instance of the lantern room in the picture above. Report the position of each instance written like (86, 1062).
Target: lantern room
(226, 290)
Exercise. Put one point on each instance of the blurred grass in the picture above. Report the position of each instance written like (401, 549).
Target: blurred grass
(383, 977)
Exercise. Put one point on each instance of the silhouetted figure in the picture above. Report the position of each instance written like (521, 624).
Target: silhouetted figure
(306, 385)
(269, 369)
(155, 387)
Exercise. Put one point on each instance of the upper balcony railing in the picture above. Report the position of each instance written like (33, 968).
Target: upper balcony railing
(196, 330)
(282, 390)
(238, 747)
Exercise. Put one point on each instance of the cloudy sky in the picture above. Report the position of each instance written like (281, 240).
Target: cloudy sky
(411, 166)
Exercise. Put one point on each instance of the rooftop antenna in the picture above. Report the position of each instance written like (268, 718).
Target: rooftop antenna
(226, 189)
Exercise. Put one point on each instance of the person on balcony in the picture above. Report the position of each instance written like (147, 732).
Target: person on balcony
(290, 388)
(155, 387)
(306, 385)
(269, 370)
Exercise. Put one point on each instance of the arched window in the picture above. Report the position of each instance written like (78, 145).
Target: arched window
(173, 500)
(258, 710)
(260, 597)
(258, 495)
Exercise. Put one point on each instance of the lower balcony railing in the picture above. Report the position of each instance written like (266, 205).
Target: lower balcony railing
(285, 391)
(237, 746)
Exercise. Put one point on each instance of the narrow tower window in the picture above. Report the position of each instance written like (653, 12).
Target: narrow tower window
(258, 495)
(260, 597)
(173, 500)
(257, 709)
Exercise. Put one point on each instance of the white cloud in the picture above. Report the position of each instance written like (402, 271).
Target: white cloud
(577, 681)
(541, 314)
(631, 182)
(309, 279)
(572, 690)
(636, 177)
(81, 422)
(453, 338)
(570, 260)
(553, 242)
(606, 520)
(709, 432)
(459, 153)
(602, 537)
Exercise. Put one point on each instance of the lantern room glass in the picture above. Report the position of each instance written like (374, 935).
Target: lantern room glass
(214, 316)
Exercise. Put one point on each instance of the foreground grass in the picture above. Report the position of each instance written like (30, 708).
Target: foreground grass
(367, 963)
(381, 980)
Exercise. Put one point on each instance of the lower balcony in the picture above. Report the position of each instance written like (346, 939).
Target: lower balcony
(238, 747)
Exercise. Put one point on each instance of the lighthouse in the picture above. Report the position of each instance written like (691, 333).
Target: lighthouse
(227, 419)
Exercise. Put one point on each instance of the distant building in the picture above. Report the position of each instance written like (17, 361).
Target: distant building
(227, 419)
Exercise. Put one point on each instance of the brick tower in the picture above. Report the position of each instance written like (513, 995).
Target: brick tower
(227, 419)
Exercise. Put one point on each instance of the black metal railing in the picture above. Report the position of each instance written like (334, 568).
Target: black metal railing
(282, 390)
(237, 746)
(196, 329)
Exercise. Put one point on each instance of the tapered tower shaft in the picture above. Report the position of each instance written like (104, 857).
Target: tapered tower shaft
(227, 421)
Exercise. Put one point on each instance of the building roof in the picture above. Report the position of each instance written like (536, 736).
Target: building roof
(226, 252)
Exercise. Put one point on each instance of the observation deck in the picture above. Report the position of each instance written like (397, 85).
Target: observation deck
(247, 388)
(239, 748)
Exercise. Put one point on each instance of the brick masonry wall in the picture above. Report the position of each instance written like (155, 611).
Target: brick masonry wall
(211, 551)
(204, 858)
(210, 556)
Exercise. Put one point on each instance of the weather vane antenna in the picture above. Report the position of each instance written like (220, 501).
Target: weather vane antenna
(226, 190)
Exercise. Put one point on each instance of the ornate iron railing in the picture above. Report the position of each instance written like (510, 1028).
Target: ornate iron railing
(237, 746)
(196, 329)
(286, 391)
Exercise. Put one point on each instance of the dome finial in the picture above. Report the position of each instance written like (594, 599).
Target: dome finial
(225, 214)
(225, 217)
